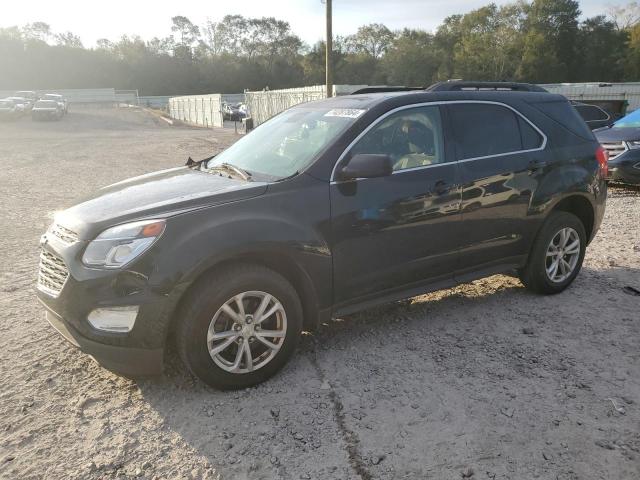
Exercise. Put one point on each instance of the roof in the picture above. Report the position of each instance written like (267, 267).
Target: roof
(370, 100)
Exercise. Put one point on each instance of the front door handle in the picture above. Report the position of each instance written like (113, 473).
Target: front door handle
(536, 165)
(441, 187)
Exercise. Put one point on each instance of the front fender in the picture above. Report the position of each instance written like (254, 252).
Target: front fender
(276, 227)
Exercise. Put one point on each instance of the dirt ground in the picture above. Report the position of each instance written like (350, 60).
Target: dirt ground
(483, 381)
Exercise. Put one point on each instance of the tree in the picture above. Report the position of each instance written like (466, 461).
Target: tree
(372, 40)
(104, 44)
(489, 46)
(625, 17)
(542, 41)
(68, 39)
(601, 50)
(187, 31)
(411, 59)
(39, 31)
(550, 42)
(447, 37)
(632, 64)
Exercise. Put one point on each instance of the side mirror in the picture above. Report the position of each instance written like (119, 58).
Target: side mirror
(367, 165)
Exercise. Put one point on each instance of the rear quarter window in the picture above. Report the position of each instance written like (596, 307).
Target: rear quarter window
(563, 113)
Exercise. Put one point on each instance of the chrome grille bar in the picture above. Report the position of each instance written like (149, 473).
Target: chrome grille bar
(615, 149)
(53, 274)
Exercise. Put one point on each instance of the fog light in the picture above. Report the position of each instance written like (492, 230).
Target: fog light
(114, 319)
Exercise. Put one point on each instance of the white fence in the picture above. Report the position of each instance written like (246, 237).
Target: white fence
(595, 91)
(127, 96)
(202, 110)
(266, 104)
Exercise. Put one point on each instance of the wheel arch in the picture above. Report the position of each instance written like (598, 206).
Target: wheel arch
(581, 207)
(277, 261)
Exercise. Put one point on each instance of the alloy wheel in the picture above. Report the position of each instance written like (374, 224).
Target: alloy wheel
(562, 255)
(247, 332)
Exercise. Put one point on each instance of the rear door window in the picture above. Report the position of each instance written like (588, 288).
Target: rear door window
(483, 130)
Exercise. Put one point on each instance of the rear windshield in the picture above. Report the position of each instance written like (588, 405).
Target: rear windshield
(563, 113)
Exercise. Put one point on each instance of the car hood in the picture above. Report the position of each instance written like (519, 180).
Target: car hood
(617, 134)
(158, 194)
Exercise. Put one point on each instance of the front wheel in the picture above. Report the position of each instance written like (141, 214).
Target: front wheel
(557, 254)
(239, 327)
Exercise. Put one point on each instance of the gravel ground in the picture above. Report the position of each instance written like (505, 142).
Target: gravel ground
(482, 381)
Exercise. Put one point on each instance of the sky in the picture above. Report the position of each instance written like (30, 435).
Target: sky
(92, 20)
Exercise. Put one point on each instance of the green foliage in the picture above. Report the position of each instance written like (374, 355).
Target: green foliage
(541, 41)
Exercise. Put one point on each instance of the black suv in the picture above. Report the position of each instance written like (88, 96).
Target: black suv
(328, 208)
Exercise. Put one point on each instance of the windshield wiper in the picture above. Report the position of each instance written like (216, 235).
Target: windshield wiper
(243, 173)
(294, 174)
(236, 171)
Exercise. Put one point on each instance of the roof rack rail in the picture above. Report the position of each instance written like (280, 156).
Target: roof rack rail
(385, 88)
(459, 85)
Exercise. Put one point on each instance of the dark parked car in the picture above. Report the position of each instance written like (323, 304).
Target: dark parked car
(47, 110)
(328, 208)
(622, 141)
(593, 115)
(233, 112)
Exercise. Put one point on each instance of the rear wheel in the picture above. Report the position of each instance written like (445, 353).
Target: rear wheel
(557, 254)
(239, 327)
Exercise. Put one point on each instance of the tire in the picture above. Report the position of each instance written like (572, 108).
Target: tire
(534, 275)
(203, 312)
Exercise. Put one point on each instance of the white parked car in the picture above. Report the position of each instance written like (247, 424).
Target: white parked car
(57, 98)
(47, 110)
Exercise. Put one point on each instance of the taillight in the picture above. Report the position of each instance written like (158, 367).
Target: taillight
(603, 160)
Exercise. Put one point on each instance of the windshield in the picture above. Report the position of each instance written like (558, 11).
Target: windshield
(288, 143)
(630, 121)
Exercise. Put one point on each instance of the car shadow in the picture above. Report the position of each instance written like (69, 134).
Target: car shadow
(292, 422)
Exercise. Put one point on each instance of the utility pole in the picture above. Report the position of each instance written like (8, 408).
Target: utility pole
(328, 55)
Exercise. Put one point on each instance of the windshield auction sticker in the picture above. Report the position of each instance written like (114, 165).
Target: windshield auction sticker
(345, 112)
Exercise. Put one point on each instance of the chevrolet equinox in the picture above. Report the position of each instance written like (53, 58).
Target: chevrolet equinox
(329, 207)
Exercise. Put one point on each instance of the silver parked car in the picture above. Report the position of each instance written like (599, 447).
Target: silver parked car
(57, 98)
(47, 110)
(9, 111)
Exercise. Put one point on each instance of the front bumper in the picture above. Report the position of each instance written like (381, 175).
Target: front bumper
(49, 114)
(626, 168)
(138, 352)
(125, 360)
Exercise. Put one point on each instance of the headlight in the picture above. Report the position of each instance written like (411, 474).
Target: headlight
(633, 145)
(117, 246)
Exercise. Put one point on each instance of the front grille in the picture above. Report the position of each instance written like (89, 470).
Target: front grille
(615, 149)
(64, 234)
(52, 275)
